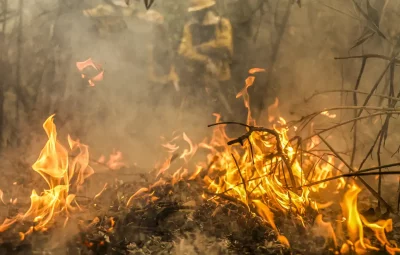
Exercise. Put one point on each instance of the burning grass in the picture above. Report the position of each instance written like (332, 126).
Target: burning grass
(261, 193)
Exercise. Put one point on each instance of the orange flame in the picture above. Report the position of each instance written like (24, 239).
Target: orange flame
(256, 70)
(53, 165)
(266, 174)
(253, 173)
(81, 66)
(356, 223)
(115, 161)
(273, 110)
(329, 115)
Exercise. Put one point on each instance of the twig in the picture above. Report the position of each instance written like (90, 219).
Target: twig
(317, 113)
(339, 11)
(355, 103)
(351, 121)
(326, 161)
(316, 93)
(397, 61)
(354, 174)
(379, 163)
(312, 170)
(376, 85)
(252, 129)
(370, 150)
(362, 172)
(241, 177)
(228, 122)
(373, 192)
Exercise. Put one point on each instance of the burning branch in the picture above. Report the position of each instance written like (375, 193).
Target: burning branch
(377, 195)
(252, 129)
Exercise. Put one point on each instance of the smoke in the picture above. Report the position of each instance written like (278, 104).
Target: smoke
(296, 45)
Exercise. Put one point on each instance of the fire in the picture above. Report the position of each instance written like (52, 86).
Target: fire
(61, 175)
(2, 196)
(329, 115)
(263, 172)
(356, 224)
(82, 66)
(114, 162)
(268, 172)
(273, 110)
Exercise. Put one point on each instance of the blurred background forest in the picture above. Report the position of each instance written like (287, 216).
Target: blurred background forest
(295, 41)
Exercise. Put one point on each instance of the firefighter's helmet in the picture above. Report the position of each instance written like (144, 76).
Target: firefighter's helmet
(152, 17)
(197, 5)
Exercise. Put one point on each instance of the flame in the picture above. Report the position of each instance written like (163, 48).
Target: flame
(112, 224)
(60, 175)
(84, 64)
(256, 70)
(262, 173)
(246, 98)
(273, 111)
(268, 172)
(327, 114)
(137, 194)
(2, 196)
(188, 154)
(101, 192)
(356, 224)
(115, 161)
(81, 66)
(80, 164)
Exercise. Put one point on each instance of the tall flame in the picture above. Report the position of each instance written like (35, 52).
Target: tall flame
(54, 166)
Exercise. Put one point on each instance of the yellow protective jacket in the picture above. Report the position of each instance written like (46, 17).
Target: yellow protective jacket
(218, 50)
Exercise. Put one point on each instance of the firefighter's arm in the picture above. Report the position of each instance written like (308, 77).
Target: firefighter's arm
(187, 50)
(222, 42)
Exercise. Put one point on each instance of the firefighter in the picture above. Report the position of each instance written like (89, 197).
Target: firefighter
(206, 48)
(109, 16)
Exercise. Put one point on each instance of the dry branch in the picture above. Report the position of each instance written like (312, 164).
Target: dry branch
(377, 195)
